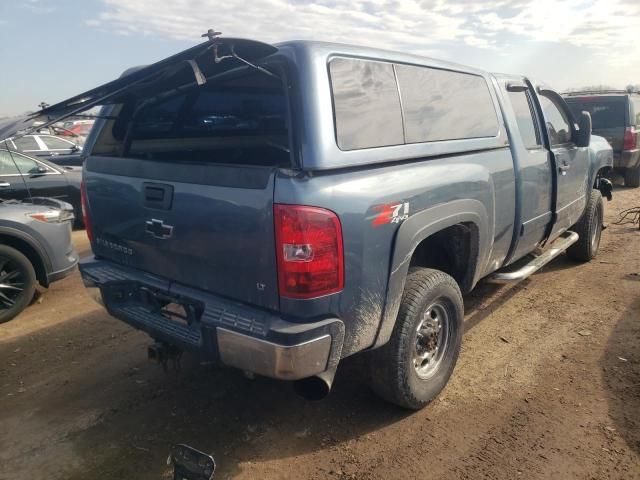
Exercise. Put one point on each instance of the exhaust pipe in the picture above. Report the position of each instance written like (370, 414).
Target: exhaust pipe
(316, 387)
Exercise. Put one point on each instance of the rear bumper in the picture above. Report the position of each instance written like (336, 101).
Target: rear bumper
(222, 330)
(627, 159)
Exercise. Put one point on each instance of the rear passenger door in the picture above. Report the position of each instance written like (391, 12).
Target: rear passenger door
(535, 168)
(571, 161)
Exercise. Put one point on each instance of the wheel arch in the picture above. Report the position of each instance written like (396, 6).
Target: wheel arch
(468, 216)
(30, 249)
(600, 159)
(602, 172)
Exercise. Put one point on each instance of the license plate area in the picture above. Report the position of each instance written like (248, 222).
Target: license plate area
(172, 308)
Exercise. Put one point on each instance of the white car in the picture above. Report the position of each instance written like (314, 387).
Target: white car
(43, 145)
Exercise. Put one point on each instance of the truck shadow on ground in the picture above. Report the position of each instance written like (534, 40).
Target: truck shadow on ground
(621, 374)
(486, 298)
(237, 419)
(95, 366)
(241, 420)
(143, 411)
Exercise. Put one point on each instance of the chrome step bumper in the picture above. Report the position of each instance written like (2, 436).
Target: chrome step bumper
(558, 246)
(239, 335)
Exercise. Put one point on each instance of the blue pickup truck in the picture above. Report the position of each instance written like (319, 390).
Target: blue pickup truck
(277, 208)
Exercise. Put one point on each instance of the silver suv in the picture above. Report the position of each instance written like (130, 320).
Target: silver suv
(35, 248)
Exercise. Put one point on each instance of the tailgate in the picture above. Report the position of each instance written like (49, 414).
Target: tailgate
(207, 226)
(609, 116)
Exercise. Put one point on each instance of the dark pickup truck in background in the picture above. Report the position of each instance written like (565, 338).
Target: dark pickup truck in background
(277, 208)
(616, 117)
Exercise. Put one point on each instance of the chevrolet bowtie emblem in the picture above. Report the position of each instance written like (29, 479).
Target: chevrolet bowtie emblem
(158, 229)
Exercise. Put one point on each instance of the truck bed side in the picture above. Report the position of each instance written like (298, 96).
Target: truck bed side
(476, 189)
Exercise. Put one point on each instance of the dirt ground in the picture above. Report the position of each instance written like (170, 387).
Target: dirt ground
(547, 386)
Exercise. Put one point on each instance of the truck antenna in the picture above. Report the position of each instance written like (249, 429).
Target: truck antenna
(215, 40)
(212, 35)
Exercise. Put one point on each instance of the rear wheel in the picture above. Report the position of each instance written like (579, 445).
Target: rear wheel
(416, 363)
(589, 228)
(632, 177)
(17, 282)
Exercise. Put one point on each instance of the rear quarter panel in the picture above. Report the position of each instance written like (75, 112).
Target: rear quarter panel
(600, 156)
(476, 187)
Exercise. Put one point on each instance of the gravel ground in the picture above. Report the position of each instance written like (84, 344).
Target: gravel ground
(547, 386)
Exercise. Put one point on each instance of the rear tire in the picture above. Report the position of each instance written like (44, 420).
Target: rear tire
(415, 365)
(632, 177)
(589, 228)
(17, 282)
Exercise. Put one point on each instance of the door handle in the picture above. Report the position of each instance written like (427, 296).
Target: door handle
(4, 184)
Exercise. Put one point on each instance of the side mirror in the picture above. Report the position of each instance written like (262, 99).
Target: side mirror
(583, 135)
(39, 170)
(74, 148)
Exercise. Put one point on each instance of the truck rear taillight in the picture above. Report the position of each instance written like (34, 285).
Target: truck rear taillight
(85, 211)
(309, 251)
(630, 139)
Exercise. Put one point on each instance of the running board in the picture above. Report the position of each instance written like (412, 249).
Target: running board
(558, 246)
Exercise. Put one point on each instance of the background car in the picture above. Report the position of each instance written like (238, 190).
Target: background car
(43, 145)
(35, 248)
(616, 117)
(80, 128)
(73, 160)
(23, 177)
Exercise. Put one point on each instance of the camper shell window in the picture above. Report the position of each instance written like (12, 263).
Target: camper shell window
(380, 104)
(241, 120)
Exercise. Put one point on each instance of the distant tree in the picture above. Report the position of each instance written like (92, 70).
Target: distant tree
(592, 88)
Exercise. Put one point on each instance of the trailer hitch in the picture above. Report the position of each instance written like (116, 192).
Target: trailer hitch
(162, 353)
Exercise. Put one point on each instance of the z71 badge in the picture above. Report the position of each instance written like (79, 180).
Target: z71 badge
(391, 213)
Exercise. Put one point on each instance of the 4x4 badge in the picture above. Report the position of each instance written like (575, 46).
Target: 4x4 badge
(390, 213)
(158, 229)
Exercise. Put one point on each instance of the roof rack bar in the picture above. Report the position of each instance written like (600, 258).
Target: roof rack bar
(596, 92)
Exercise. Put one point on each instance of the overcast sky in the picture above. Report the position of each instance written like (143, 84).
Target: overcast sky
(52, 49)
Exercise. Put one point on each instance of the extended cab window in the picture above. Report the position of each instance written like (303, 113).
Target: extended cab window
(444, 105)
(366, 104)
(556, 120)
(525, 118)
